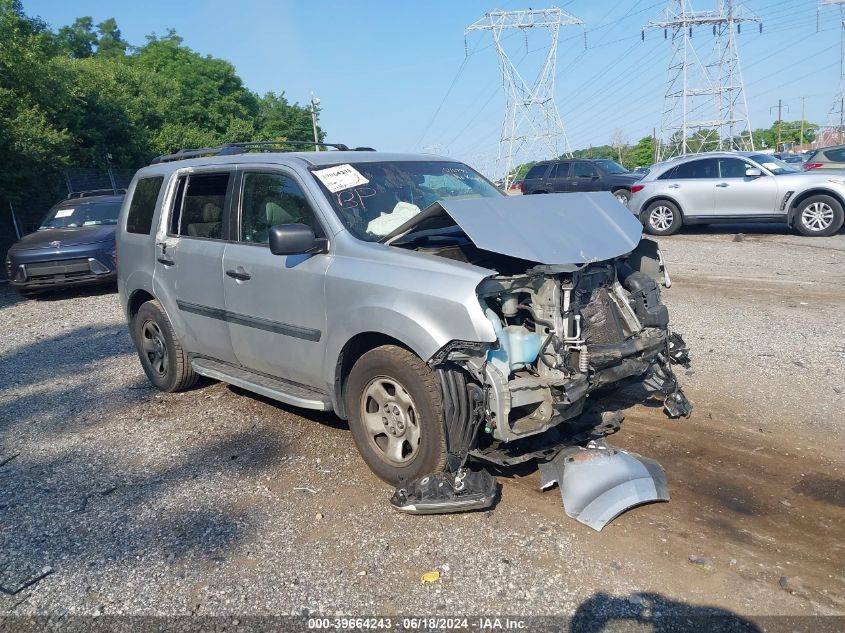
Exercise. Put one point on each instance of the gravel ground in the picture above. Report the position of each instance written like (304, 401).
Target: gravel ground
(215, 501)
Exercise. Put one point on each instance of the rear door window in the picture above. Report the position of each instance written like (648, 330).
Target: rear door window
(537, 171)
(696, 169)
(561, 170)
(199, 205)
(139, 219)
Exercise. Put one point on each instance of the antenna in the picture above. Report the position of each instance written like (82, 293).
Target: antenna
(532, 128)
(705, 106)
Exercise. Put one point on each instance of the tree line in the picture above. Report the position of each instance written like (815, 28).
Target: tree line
(83, 96)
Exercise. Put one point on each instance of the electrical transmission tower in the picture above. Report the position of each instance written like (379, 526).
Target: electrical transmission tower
(834, 131)
(705, 106)
(532, 128)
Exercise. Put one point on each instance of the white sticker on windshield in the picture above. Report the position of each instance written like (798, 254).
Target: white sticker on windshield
(64, 213)
(341, 177)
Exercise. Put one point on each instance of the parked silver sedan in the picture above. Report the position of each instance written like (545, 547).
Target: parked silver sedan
(720, 187)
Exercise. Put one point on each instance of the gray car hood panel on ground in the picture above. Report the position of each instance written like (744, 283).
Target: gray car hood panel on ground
(567, 228)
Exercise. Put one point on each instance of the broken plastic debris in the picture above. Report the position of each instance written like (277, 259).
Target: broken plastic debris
(430, 576)
(600, 482)
(443, 492)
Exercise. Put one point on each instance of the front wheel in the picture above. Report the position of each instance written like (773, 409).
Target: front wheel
(396, 414)
(662, 218)
(819, 216)
(164, 361)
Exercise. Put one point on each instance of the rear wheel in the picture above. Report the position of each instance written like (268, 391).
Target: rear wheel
(818, 216)
(395, 414)
(623, 195)
(662, 218)
(164, 361)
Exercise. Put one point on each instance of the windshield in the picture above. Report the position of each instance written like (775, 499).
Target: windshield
(611, 166)
(774, 165)
(84, 214)
(372, 199)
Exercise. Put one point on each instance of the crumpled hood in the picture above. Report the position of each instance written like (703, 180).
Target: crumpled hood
(551, 229)
(68, 237)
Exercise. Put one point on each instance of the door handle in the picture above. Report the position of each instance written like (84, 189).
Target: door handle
(234, 274)
(165, 261)
(723, 184)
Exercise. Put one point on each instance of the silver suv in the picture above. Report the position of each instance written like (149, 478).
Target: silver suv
(405, 293)
(743, 187)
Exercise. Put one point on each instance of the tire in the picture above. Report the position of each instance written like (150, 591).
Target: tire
(396, 414)
(662, 217)
(623, 195)
(818, 216)
(164, 361)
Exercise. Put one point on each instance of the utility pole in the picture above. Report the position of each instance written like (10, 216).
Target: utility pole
(779, 107)
(532, 128)
(801, 138)
(111, 175)
(704, 95)
(836, 116)
(314, 103)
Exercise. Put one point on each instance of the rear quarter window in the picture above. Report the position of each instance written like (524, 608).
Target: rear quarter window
(139, 219)
(836, 155)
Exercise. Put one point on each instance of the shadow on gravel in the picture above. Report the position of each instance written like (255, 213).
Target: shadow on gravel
(73, 358)
(9, 296)
(654, 613)
(320, 417)
(83, 509)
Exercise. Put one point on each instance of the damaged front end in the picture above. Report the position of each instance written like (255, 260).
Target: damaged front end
(567, 325)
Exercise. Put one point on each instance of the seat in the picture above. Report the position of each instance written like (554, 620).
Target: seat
(211, 225)
(274, 214)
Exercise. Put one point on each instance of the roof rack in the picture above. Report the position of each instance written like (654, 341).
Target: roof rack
(94, 192)
(242, 148)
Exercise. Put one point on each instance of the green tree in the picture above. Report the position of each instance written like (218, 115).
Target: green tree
(78, 40)
(278, 120)
(110, 43)
(642, 154)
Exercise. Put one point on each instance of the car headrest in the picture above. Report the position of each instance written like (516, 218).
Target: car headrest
(211, 212)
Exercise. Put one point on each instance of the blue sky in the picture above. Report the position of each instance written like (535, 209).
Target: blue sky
(396, 75)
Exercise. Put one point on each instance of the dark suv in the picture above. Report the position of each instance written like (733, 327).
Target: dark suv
(73, 246)
(563, 176)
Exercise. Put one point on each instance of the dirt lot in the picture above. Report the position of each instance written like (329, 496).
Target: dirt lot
(124, 500)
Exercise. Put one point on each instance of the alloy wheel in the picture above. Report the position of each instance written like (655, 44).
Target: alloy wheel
(817, 216)
(391, 420)
(661, 218)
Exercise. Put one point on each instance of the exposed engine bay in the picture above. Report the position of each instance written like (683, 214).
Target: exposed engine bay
(564, 332)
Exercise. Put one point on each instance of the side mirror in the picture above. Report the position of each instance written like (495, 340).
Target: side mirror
(753, 172)
(295, 239)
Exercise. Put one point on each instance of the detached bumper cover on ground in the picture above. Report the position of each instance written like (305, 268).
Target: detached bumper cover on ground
(601, 481)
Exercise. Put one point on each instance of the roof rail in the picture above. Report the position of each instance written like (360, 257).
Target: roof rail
(94, 192)
(229, 149)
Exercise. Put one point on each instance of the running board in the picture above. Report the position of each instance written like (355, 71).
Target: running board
(281, 390)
